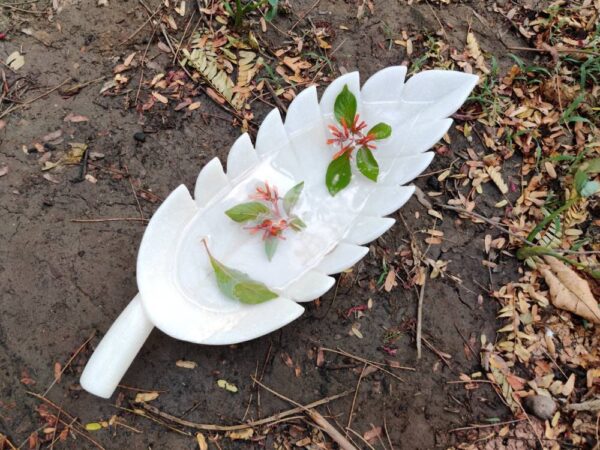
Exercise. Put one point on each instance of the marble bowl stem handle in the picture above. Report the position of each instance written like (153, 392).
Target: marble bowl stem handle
(117, 350)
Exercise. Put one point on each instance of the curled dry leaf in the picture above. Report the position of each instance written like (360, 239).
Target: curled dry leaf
(244, 434)
(569, 291)
(186, 364)
(202, 445)
(146, 397)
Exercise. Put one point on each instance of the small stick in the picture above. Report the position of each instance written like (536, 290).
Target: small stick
(362, 373)
(137, 94)
(4, 439)
(110, 219)
(368, 361)
(489, 425)
(314, 5)
(132, 35)
(28, 11)
(360, 437)
(251, 424)
(557, 49)
(142, 413)
(54, 432)
(83, 166)
(68, 363)
(137, 200)
(73, 419)
(420, 317)
(437, 352)
(277, 100)
(387, 435)
(31, 100)
(317, 418)
(183, 37)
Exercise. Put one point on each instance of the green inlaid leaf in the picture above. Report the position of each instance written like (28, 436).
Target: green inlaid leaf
(253, 292)
(338, 174)
(291, 197)
(345, 106)
(590, 188)
(247, 211)
(381, 131)
(238, 285)
(271, 244)
(367, 164)
(297, 224)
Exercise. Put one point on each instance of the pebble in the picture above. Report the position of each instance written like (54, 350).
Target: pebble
(542, 406)
(140, 136)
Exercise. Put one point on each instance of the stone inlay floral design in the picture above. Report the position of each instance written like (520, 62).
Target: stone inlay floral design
(269, 214)
(349, 137)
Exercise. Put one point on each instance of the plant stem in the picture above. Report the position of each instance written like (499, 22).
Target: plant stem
(540, 226)
(528, 252)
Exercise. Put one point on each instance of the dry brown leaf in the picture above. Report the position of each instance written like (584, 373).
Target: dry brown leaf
(497, 179)
(390, 281)
(373, 434)
(568, 291)
(202, 445)
(146, 397)
(186, 364)
(244, 434)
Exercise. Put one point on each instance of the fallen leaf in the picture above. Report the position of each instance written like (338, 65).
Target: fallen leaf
(75, 118)
(202, 445)
(373, 434)
(390, 281)
(223, 384)
(186, 364)
(15, 61)
(146, 397)
(57, 371)
(3, 171)
(161, 98)
(568, 291)
(244, 434)
(93, 426)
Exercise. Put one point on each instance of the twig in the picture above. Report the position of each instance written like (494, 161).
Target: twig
(73, 419)
(314, 5)
(555, 49)
(83, 166)
(420, 317)
(183, 36)
(27, 11)
(317, 418)
(68, 363)
(141, 27)
(430, 346)
(387, 435)
(277, 100)
(487, 425)
(142, 413)
(31, 100)
(110, 219)
(360, 437)
(4, 439)
(362, 373)
(137, 94)
(368, 361)
(137, 200)
(250, 424)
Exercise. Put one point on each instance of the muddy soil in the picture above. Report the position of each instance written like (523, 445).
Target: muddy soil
(60, 281)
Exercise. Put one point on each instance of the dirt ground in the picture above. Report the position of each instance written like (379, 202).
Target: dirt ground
(60, 280)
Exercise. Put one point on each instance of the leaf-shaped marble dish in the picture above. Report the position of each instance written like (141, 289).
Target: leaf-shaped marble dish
(178, 292)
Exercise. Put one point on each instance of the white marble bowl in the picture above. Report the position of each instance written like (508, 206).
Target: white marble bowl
(178, 293)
